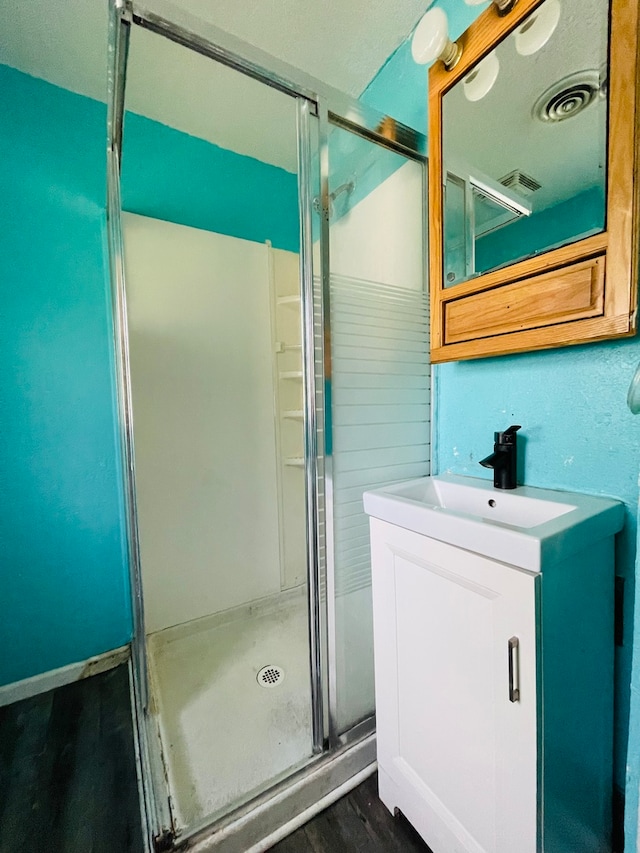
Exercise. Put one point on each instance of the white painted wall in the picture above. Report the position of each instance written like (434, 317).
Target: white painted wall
(380, 238)
(203, 402)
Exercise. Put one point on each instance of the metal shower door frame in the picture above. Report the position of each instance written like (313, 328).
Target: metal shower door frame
(360, 121)
(155, 811)
(315, 101)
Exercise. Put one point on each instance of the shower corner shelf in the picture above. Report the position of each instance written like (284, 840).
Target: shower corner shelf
(291, 374)
(294, 462)
(293, 415)
(289, 300)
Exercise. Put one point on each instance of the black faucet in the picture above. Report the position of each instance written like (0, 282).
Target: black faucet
(504, 459)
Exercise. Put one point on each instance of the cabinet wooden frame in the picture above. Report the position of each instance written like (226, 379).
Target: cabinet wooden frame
(615, 250)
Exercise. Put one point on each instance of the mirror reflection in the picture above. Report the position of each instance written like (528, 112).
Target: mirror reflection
(525, 142)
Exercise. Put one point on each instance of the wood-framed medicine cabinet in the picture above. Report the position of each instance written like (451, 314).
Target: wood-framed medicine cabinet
(533, 180)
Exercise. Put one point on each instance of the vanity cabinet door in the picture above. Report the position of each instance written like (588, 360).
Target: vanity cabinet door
(457, 747)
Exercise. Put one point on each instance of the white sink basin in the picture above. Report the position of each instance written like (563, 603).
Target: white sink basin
(523, 527)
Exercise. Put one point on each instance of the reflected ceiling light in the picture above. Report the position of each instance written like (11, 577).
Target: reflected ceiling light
(431, 40)
(479, 81)
(538, 28)
(502, 6)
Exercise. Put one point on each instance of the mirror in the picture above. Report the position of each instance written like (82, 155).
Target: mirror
(525, 161)
(533, 186)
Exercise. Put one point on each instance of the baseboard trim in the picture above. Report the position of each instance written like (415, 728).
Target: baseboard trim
(45, 681)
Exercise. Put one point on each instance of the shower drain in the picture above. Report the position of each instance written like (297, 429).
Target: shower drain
(270, 676)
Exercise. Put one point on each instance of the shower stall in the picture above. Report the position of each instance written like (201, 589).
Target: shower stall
(267, 255)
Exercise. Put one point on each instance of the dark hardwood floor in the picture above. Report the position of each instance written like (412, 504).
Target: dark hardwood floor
(67, 770)
(68, 782)
(358, 823)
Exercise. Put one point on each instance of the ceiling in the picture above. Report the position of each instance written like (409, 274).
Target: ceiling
(341, 42)
(181, 88)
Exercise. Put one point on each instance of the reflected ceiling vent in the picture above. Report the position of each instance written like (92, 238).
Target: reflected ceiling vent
(520, 182)
(569, 96)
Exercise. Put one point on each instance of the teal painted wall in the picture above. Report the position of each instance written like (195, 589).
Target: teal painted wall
(579, 434)
(400, 86)
(632, 790)
(179, 178)
(581, 215)
(64, 574)
(64, 579)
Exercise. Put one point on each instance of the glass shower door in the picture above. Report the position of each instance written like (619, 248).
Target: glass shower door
(379, 382)
(266, 398)
(215, 335)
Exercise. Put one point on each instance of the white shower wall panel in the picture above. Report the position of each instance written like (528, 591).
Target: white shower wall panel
(380, 394)
(379, 239)
(203, 403)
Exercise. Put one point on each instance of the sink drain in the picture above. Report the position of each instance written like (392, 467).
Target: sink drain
(270, 676)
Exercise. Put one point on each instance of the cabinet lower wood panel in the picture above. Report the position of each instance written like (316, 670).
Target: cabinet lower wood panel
(572, 293)
(456, 755)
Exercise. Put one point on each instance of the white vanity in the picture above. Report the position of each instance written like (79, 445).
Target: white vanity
(493, 623)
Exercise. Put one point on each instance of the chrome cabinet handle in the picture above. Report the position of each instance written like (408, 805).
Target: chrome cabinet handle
(514, 670)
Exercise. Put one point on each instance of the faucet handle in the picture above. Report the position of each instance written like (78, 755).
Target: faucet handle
(508, 436)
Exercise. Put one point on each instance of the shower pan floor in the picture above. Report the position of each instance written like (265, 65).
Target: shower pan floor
(224, 737)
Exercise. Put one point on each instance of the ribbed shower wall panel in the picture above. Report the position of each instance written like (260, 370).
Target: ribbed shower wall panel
(380, 396)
